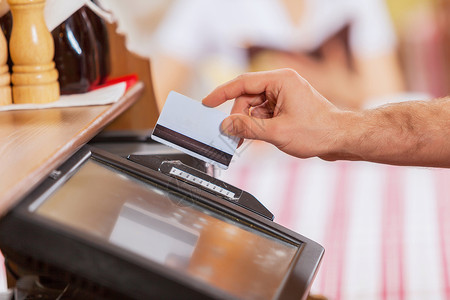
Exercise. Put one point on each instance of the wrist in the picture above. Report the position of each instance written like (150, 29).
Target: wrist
(347, 131)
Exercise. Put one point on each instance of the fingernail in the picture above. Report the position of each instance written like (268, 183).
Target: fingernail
(227, 127)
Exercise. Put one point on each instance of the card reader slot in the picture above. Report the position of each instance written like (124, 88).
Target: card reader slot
(201, 180)
(198, 179)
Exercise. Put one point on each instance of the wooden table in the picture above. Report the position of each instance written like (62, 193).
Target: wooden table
(34, 142)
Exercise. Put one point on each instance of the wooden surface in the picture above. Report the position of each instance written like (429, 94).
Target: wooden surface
(34, 142)
(144, 114)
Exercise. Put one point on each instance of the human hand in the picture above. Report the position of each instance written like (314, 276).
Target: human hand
(282, 108)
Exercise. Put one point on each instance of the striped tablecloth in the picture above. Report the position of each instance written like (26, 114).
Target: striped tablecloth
(385, 229)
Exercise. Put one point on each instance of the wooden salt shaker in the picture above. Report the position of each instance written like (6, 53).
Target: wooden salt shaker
(5, 78)
(34, 78)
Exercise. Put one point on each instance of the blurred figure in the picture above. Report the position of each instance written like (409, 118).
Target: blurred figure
(345, 48)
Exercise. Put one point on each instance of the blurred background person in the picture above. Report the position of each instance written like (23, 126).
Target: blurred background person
(345, 48)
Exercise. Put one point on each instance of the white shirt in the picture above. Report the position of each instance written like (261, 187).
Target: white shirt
(195, 29)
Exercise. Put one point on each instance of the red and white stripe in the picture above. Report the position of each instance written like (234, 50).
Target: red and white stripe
(385, 229)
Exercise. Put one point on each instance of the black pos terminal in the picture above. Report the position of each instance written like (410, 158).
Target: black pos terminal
(102, 226)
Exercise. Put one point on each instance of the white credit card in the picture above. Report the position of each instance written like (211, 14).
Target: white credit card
(189, 126)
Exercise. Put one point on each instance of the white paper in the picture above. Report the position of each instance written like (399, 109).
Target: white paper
(102, 96)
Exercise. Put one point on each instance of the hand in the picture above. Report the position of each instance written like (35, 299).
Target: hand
(282, 108)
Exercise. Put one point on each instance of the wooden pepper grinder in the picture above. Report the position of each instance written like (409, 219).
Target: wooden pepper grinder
(34, 78)
(5, 78)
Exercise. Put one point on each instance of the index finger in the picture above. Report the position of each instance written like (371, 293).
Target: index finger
(245, 84)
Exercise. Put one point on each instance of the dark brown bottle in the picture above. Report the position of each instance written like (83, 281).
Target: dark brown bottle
(76, 54)
(102, 43)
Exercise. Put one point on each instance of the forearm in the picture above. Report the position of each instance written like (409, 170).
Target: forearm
(282, 108)
(409, 133)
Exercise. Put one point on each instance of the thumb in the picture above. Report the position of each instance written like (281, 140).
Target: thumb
(246, 127)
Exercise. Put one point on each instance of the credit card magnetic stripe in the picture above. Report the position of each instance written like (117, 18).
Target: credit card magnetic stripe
(192, 145)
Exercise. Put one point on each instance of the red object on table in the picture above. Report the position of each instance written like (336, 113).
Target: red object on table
(129, 79)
